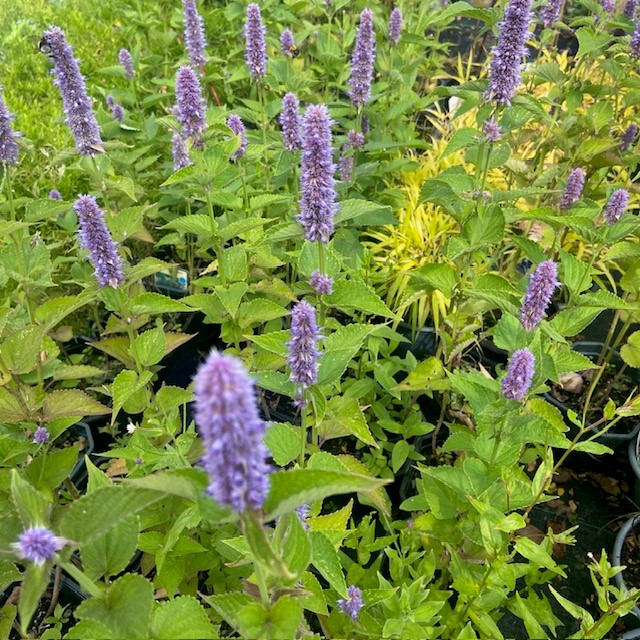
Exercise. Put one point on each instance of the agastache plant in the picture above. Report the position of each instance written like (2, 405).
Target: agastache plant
(520, 372)
(395, 26)
(38, 544)
(290, 123)
(8, 137)
(237, 126)
(321, 282)
(76, 102)
(179, 152)
(41, 435)
(572, 189)
(608, 5)
(126, 62)
(541, 287)
(362, 61)
(630, 8)
(54, 194)
(507, 55)
(616, 206)
(227, 418)
(256, 47)
(492, 130)
(194, 37)
(287, 43)
(317, 184)
(303, 346)
(355, 138)
(550, 13)
(190, 105)
(96, 239)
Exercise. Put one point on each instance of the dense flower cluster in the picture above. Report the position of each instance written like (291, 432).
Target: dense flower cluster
(352, 605)
(634, 43)
(227, 418)
(290, 123)
(8, 137)
(356, 139)
(41, 435)
(519, 375)
(630, 8)
(362, 61)
(572, 189)
(628, 137)
(303, 346)
(541, 287)
(616, 206)
(237, 126)
(116, 110)
(190, 105)
(492, 130)
(507, 55)
(96, 239)
(54, 194)
(395, 26)
(287, 43)
(194, 37)
(126, 62)
(77, 104)
(317, 184)
(551, 12)
(322, 283)
(256, 49)
(38, 544)
(179, 152)
(608, 5)
(345, 164)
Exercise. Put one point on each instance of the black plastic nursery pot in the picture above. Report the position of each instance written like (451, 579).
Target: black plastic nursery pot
(634, 453)
(611, 439)
(628, 537)
(422, 343)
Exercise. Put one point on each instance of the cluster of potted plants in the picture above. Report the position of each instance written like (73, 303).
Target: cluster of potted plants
(295, 336)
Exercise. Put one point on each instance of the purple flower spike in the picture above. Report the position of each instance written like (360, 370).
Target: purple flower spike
(126, 62)
(303, 513)
(356, 140)
(38, 544)
(116, 110)
(54, 194)
(237, 126)
(41, 435)
(287, 43)
(8, 137)
(542, 284)
(506, 61)
(616, 206)
(190, 108)
(492, 130)
(572, 189)
(317, 184)
(322, 283)
(194, 38)
(630, 8)
(227, 418)
(634, 43)
(628, 137)
(550, 13)
(362, 61)
(352, 605)
(76, 102)
(290, 123)
(303, 346)
(608, 5)
(256, 50)
(395, 26)
(179, 152)
(96, 239)
(519, 375)
(345, 165)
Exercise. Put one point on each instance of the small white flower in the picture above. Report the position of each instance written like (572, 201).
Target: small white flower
(131, 427)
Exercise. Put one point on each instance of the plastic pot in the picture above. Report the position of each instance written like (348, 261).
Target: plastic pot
(79, 472)
(423, 343)
(616, 556)
(613, 440)
(634, 451)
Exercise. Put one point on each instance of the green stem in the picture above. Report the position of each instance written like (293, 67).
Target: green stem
(7, 177)
(263, 102)
(214, 237)
(87, 585)
(304, 425)
(322, 265)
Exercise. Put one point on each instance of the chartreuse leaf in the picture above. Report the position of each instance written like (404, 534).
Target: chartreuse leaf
(279, 622)
(181, 618)
(338, 350)
(71, 402)
(283, 443)
(154, 303)
(7, 618)
(290, 489)
(326, 561)
(356, 294)
(126, 608)
(20, 350)
(110, 554)
(35, 581)
(345, 417)
(261, 548)
(149, 347)
(630, 352)
(336, 521)
(428, 374)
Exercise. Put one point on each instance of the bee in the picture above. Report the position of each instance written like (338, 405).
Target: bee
(44, 46)
(294, 52)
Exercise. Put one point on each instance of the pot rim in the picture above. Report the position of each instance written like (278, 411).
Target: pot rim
(616, 555)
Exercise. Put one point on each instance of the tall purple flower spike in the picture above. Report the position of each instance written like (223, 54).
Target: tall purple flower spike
(352, 605)
(256, 47)
(226, 414)
(572, 189)
(519, 376)
(616, 206)
(395, 26)
(194, 37)
(542, 284)
(362, 61)
(237, 126)
(303, 346)
(76, 102)
(287, 43)
(96, 239)
(8, 137)
(317, 184)
(290, 123)
(190, 107)
(628, 137)
(126, 62)
(38, 544)
(550, 13)
(634, 43)
(630, 8)
(507, 55)
(179, 152)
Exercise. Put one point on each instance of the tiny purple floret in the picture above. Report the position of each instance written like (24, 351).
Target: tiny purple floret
(54, 194)
(356, 139)
(492, 130)
(41, 435)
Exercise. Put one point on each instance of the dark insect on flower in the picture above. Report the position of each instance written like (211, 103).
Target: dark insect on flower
(519, 376)
(287, 44)
(524, 265)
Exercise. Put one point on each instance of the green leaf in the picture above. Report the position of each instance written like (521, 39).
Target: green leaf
(590, 42)
(309, 259)
(497, 291)
(509, 334)
(290, 489)
(19, 352)
(181, 618)
(197, 224)
(49, 470)
(428, 374)
(355, 294)
(228, 605)
(155, 303)
(461, 139)
(125, 385)
(261, 548)
(76, 372)
(126, 608)
(486, 229)
(326, 561)
(258, 311)
(231, 296)
(66, 403)
(31, 504)
(338, 350)
(630, 352)
(273, 342)
(283, 443)
(297, 547)
(399, 454)
(345, 417)
(35, 581)
(437, 276)
(315, 602)
(110, 554)
(361, 213)
(150, 346)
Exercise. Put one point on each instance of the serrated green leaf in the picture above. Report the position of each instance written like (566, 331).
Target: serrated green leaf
(181, 618)
(355, 294)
